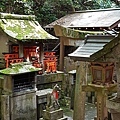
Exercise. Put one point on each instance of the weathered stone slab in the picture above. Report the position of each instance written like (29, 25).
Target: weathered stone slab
(114, 114)
(112, 104)
(23, 106)
(42, 95)
(50, 78)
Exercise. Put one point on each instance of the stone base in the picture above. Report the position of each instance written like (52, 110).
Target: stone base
(52, 108)
(53, 115)
(114, 107)
(115, 115)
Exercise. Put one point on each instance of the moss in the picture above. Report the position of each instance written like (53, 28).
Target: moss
(76, 33)
(23, 27)
(1, 76)
(19, 68)
(6, 71)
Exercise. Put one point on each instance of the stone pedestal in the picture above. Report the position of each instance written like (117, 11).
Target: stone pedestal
(53, 115)
(114, 107)
(114, 114)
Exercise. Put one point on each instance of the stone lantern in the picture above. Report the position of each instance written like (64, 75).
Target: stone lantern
(102, 73)
(102, 84)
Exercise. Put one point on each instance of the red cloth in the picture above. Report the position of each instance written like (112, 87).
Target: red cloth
(55, 94)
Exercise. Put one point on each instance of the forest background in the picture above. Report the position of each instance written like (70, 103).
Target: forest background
(47, 11)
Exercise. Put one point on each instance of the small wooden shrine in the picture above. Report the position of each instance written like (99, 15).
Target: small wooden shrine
(23, 58)
(22, 40)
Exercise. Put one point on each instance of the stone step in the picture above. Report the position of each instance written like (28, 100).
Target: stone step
(64, 118)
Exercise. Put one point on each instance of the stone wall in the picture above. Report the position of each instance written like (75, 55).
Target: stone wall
(23, 106)
(69, 64)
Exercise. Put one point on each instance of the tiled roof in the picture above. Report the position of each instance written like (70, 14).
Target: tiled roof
(92, 18)
(92, 45)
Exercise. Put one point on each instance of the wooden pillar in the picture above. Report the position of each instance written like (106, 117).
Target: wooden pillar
(79, 101)
(41, 57)
(61, 67)
(21, 50)
(101, 106)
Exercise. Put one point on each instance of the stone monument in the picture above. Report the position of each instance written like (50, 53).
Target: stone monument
(53, 110)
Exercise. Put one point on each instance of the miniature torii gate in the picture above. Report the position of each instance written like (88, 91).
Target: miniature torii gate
(79, 112)
(69, 37)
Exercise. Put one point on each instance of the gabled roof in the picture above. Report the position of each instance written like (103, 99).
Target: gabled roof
(93, 44)
(107, 18)
(23, 27)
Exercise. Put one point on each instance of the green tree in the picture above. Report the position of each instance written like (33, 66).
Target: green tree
(51, 10)
(94, 4)
(47, 11)
(17, 6)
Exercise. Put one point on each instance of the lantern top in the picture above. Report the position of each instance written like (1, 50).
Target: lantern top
(102, 73)
(102, 64)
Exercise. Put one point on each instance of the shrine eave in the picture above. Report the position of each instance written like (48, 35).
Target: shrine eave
(95, 47)
(23, 27)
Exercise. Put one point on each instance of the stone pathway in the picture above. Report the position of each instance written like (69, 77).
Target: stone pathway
(89, 114)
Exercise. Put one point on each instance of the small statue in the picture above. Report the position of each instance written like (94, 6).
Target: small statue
(52, 98)
(55, 94)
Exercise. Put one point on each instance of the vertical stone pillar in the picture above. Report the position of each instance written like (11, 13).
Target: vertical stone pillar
(79, 101)
(5, 107)
(118, 78)
(61, 67)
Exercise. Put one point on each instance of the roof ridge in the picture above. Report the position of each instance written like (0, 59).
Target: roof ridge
(96, 10)
(16, 16)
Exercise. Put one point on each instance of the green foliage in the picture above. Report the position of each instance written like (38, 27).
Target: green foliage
(16, 6)
(93, 4)
(45, 14)
(47, 11)
(52, 10)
